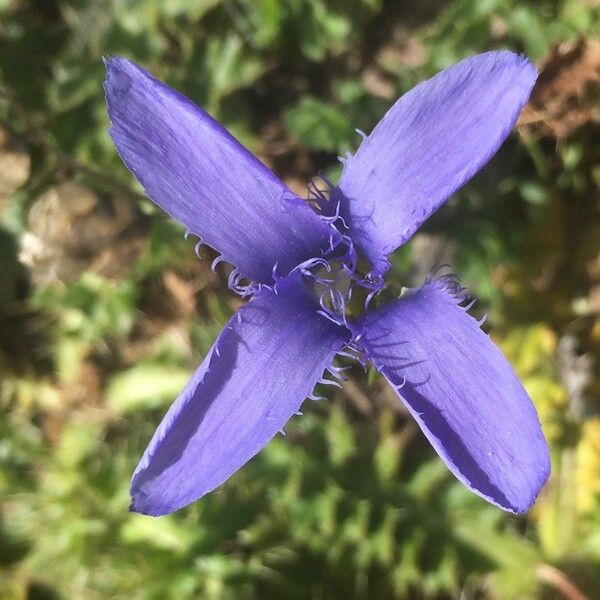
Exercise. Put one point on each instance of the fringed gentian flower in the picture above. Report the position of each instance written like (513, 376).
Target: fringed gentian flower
(294, 260)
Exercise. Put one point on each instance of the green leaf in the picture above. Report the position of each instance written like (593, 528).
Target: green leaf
(340, 436)
(145, 387)
(316, 124)
(166, 533)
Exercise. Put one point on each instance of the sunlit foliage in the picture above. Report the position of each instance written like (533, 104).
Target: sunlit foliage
(105, 309)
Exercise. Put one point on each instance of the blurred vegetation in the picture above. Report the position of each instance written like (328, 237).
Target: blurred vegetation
(105, 310)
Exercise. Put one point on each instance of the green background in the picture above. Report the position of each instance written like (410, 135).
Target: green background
(105, 309)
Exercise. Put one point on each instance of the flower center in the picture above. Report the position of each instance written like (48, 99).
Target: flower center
(341, 292)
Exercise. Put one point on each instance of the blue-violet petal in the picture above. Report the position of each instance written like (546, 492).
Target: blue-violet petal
(429, 144)
(202, 176)
(261, 368)
(462, 392)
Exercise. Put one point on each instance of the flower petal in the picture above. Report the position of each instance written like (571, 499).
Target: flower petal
(462, 392)
(261, 368)
(203, 177)
(429, 144)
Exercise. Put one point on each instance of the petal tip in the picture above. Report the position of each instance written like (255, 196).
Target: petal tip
(525, 73)
(521, 504)
(112, 64)
(115, 80)
(530, 71)
(121, 75)
(143, 504)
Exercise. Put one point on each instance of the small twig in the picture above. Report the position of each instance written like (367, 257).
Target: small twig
(560, 582)
(359, 400)
(70, 163)
(35, 136)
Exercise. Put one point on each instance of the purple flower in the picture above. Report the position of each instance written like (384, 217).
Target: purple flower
(267, 360)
